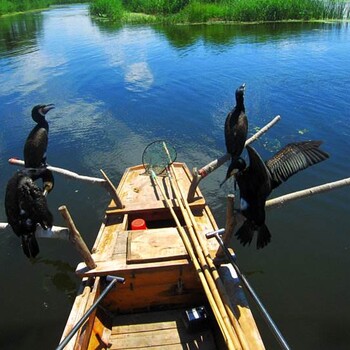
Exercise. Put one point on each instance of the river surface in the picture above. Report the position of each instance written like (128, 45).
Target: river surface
(118, 88)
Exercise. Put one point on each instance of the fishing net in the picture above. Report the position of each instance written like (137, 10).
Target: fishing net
(157, 156)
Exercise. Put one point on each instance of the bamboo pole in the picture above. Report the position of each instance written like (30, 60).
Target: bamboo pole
(231, 222)
(217, 312)
(263, 130)
(64, 172)
(279, 201)
(200, 174)
(57, 232)
(76, 238)
(207, 264)
(112, 190)
(251, 291)
(230, 218)
(206, 261)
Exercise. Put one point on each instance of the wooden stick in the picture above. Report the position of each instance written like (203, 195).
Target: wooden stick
(230, 225)
(263, 130)
(112, 190)
(198, 268)
(208, 266)
(56, 232)
(64, 172)
(210, 271)
(279, 201)
(230, 219)
(200, 174)
(76, 238)
(206, 262)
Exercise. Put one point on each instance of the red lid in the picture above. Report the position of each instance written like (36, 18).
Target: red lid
(138, 224)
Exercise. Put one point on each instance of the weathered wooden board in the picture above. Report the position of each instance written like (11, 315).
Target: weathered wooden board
(158, 330)
(144, 289)
(138, 192)
(155, 245)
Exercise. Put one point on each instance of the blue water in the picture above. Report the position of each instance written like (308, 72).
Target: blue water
(118, 88)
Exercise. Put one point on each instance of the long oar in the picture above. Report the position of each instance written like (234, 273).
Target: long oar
(251, 291)
(230, 341)
(218, 288)
(113, 280)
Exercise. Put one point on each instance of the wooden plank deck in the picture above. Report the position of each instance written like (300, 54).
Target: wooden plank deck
(158, 330)
(138, 192)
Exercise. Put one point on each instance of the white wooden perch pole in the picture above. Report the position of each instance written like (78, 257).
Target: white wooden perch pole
(57, 232)
(279, 201)
(200, 174)
(64, 172)
(106, 183)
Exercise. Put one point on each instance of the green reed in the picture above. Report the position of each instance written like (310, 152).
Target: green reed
(190, 11)
(260, 10)
(113, 9)
(11, 6)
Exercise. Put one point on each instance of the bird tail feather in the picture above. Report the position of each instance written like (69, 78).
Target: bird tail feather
(30, 246)
(264, 237)
(246, 232)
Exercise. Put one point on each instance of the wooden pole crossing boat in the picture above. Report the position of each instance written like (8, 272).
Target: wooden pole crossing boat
(175, 293)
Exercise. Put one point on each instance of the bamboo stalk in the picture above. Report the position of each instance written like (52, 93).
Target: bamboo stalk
(231, 222)
(207, 264)
(64, 172)
(76, 238)
(230, 219)
(57, 232)
(201, 273)
(279, 201)
(200, 174)
(263, 130)
(217, 286)
(112, 190)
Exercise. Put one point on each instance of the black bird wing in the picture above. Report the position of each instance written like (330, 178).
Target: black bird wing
(11, 205)
(35, 147)
(259, 174)
(255, 186)
(34, 203)
(292, 158)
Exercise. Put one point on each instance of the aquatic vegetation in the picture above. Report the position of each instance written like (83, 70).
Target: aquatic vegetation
(195, 11)
(114, 10)
(163, 7)
(10, 6)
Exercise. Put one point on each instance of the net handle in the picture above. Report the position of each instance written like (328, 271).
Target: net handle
(166, 158)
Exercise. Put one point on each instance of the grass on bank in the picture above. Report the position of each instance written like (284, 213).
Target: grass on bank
(12, 6)
(200, 11)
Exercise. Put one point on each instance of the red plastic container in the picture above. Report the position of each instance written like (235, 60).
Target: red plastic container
(138, 224)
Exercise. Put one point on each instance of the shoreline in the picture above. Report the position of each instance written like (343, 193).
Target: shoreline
(138, 18)
(214, 22)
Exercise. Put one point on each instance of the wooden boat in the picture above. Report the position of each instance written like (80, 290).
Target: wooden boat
(167, 301)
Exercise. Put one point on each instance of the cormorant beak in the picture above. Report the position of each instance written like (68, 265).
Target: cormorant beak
(43, 110)
(243, 87)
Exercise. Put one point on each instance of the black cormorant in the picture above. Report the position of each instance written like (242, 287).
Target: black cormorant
(26, 206)
(36, 143)
(236, 129)
(257, 181)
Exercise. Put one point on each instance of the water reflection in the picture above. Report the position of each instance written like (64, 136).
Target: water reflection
(182, 36)
(63, 278)
(19, 36)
